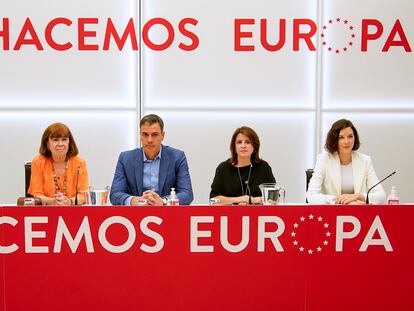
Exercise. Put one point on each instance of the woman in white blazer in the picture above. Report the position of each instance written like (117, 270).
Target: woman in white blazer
(342, 175)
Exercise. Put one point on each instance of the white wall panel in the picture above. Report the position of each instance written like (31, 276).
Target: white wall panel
(67, 79)
(204, 95)
(286, 143)
(100, 138)
(94, 92)
(214, 76)
(387, 138)
(371, 79)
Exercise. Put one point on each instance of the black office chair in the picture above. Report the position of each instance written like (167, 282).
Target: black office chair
(309, 173)
(27, 174)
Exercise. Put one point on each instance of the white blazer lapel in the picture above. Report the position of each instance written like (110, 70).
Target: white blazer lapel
(358, 173)
(336, 173)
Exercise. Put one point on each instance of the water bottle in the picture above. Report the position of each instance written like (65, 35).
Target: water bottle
(173, 198)
(393, 198)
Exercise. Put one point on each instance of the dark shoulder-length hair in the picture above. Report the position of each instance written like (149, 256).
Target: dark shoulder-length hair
(332, 138)
(254, 139)
(57, 130)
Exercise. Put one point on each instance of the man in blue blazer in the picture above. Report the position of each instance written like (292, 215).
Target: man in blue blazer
(148, 173)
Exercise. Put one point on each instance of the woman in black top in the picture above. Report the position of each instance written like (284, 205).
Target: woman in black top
(239, 177)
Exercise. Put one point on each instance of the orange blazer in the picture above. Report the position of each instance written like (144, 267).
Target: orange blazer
(41, 180)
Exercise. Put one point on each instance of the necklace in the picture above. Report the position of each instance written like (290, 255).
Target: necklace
(244, 192)
(57, 190)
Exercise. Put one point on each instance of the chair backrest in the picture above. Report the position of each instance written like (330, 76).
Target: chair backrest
(309, 173)
(27, 174)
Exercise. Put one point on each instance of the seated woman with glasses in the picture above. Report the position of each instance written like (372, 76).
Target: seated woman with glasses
(237, 179)
(58, 170)
(342, 175)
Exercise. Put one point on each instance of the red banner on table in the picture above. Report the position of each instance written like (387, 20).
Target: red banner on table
(204, 258)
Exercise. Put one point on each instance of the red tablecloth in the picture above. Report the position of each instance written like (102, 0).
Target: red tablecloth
(311, 258)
